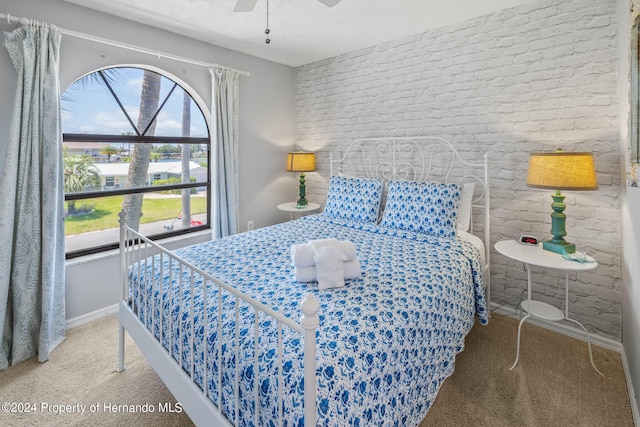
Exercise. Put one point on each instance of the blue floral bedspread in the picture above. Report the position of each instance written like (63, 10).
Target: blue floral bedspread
(385, 343)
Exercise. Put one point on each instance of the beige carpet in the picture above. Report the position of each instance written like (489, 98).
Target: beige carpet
(553, 384)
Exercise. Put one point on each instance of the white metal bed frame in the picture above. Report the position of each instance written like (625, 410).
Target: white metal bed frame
(386, 158)
(134, 248)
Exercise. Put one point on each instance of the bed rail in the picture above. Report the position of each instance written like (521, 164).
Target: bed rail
(139, 252)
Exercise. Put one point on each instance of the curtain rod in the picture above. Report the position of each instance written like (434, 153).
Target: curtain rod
(159, 54)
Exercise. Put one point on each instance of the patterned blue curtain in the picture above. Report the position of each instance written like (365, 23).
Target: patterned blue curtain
(224, 220)
(32, 311)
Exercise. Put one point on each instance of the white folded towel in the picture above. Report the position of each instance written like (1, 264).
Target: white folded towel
(329, 267)
(351, 268)
(302, 255)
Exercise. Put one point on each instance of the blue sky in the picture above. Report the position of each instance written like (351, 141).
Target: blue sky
(90, 107)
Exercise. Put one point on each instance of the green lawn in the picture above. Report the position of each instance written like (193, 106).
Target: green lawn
(105, 212)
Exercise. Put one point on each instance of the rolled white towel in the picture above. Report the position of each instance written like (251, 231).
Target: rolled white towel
(352, 270)
(348, 248)
(329, 267)
(305, 274)
(302, 254)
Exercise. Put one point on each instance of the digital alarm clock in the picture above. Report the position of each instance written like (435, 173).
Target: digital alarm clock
(526, 239)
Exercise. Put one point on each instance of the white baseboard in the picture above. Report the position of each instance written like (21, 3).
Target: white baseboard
(632, 393)
(579, 334)
(95, 315)
(561, 328)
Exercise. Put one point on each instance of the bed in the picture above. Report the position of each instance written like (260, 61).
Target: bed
(238, 341)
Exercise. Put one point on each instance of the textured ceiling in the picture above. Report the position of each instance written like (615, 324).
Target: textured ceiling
(302, 31)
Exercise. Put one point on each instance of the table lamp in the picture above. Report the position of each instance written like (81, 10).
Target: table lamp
(301, 162)
(561, 170)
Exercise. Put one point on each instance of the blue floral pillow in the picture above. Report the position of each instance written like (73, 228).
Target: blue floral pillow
(423, 207)
(354, 199)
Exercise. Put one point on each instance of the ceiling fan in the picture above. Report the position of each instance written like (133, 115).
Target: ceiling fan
(248, 5)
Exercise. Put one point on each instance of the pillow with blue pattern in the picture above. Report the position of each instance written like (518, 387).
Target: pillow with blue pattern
(423, 207)
(354, 199)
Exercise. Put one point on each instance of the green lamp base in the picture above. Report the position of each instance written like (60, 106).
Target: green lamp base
(558, 229)
(302, 201)
(561, 248)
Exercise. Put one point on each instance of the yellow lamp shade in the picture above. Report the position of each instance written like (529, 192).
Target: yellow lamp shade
(562, 170)
(301, 162)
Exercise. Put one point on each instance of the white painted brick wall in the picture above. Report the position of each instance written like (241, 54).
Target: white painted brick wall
(536, 77)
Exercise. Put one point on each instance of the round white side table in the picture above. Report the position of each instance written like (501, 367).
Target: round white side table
(538, 257)
(293, 208)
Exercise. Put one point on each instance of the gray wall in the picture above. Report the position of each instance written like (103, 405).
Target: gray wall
(631, 286)
(535, 77)
(630, 218)
(266, 117)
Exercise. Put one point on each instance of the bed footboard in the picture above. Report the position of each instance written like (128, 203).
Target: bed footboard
(145, 319)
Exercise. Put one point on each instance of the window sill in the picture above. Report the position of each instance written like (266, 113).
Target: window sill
(174, 242)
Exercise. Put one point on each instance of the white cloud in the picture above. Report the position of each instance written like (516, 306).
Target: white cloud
(66, 116)
(135, 84)
(114, 123)
(168, 125)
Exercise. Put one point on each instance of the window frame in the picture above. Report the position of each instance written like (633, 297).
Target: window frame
(119, 190)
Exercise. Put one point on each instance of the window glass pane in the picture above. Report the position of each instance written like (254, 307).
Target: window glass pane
(88, 106)
(94, 222)
(106, 167)
(171, 115)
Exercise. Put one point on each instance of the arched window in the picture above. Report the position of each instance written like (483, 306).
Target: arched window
(134, 140)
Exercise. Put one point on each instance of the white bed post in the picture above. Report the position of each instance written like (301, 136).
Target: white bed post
(330, 164)
(309, 321)
(487, 231)
(122, 283)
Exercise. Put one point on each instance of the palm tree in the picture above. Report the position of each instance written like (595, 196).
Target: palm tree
(79, 174)
(109, 150)
(139, 166)
(186, 173)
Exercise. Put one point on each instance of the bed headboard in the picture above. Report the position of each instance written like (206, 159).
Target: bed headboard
(423, 158)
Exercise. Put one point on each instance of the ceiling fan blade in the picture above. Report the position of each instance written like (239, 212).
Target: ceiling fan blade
(245, 5)
(329, 3)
